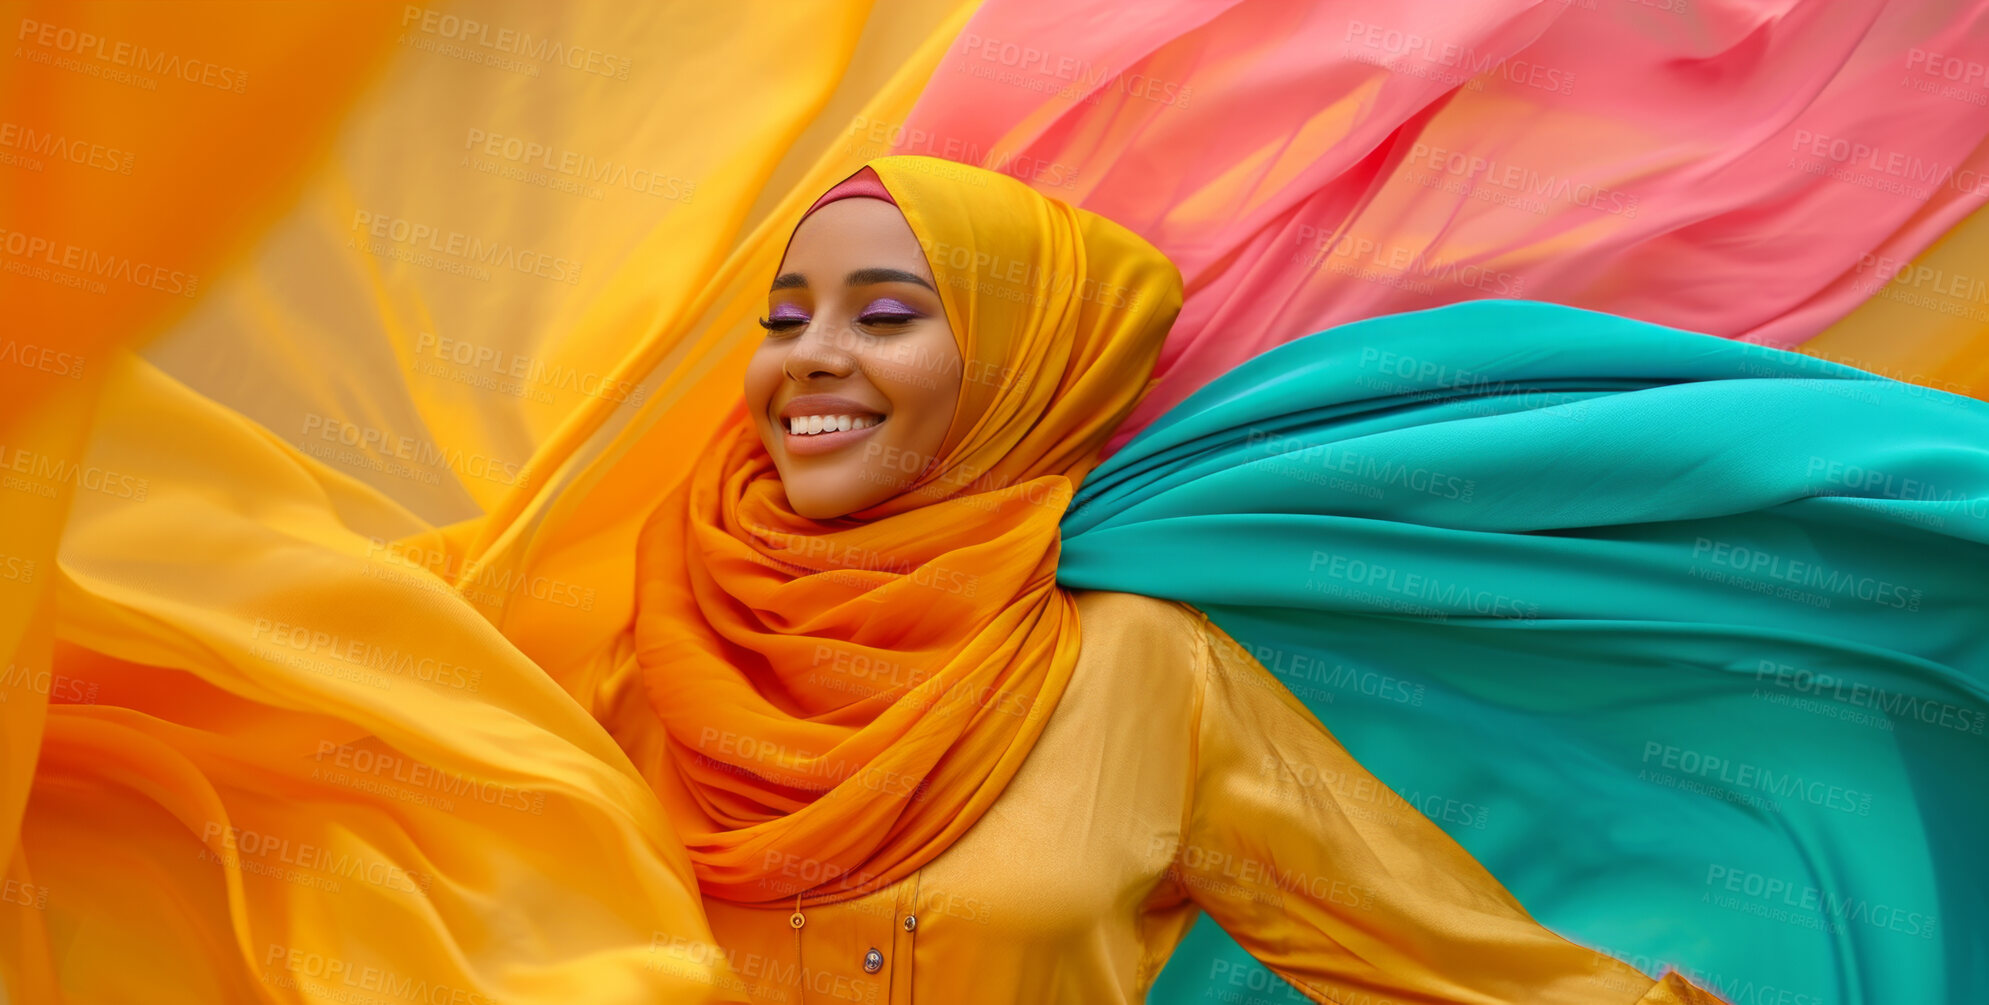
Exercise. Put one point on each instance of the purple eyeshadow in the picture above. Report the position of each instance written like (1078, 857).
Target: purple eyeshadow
(886, 305)
(787, 312)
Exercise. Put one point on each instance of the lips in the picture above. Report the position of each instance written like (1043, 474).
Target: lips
(812, 423)
(825, 404)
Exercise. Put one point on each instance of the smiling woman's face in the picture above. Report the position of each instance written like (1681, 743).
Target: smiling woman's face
(858, 343)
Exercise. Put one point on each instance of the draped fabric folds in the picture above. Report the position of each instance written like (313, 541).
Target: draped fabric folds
(271, 743)
(791, 768)
(1741, 169)
(1702, 693)
(314, 603)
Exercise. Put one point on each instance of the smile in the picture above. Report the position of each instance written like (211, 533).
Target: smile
(811, 425)
(832, 432)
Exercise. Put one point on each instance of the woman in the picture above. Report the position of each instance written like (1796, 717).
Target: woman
(907, 764)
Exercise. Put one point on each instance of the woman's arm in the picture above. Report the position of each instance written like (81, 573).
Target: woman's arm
(1348, 891)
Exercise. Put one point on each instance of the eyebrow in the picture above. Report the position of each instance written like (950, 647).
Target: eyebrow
(861, 277)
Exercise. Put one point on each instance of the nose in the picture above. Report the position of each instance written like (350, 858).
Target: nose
(817, 353)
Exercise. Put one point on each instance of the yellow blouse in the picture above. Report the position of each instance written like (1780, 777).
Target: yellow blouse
(1176, 775)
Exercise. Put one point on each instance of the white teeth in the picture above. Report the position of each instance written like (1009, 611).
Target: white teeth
(808, 425)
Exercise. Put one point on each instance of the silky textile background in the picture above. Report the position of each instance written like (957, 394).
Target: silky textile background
(281, 594)
(1710, 694)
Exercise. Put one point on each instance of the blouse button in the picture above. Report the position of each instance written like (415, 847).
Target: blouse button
(873, 961)
(911, 922)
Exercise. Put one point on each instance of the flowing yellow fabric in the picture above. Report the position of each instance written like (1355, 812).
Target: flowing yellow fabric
(142, 146)
(792, 769)
(299, 514)
(1927, 319)
(287, 756)
(1180, 776)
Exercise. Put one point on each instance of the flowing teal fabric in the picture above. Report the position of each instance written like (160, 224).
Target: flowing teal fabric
(1683, 638)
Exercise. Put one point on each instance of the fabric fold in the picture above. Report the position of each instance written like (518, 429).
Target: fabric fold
(1719, 687)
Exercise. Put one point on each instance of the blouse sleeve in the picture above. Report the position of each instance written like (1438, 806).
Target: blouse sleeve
(1346, 890)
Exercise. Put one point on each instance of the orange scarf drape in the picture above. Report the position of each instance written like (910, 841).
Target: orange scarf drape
(844, 698)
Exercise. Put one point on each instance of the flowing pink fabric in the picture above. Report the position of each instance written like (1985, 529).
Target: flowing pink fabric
(1728, 167)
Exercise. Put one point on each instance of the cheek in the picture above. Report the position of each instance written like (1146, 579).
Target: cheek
(922, 380)
(762, 380)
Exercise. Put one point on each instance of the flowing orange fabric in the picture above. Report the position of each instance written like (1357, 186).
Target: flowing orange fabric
(790, 771)
(178, 670)
(141, 145)
(1927, 319)
(263, 739)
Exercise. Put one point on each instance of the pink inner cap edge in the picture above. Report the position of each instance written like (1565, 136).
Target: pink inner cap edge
(862, 185)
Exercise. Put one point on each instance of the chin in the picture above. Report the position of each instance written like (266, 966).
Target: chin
(820, 505)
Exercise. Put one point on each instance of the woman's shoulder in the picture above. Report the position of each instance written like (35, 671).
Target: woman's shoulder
(1157, 645)
(1110, 612)
(1174, 645)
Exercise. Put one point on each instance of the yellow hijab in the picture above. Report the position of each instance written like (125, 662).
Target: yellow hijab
(845, 698)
